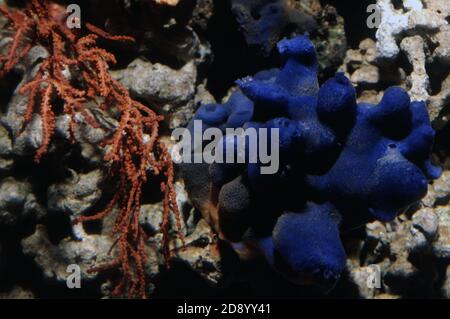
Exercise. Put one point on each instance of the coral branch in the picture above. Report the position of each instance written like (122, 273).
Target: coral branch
(134, 150)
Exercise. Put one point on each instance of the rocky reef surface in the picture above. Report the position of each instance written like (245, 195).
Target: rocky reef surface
(189, 53)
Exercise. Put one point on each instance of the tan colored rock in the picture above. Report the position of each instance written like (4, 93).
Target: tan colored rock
(17, 293)
(418, 80)
(421, 31)
(54, 260)
(168, 2)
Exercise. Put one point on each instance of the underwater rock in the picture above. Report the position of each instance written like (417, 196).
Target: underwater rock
(202, 253)
(168, 2)
(421, 30)
(384, 250)
(441, 247)
(412, 16)
(423, 230)
(75, 195)
(405, 249)
(6, 161)
(439, 191)
(437, 198)
(360, 276)
(426, 221)
(17, 292)
(183, 114)
(349, 157)
(419, 81)
(157, 83)
(172, 91)
(87, 252)
(17, 203)
(30, 139)
(91, 250)
(150, 216)
(263, 22)
(370, 77)
(366, 75)
(26, 140)
(446, 287)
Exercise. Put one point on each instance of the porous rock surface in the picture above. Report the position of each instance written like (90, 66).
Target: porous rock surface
(416, 33)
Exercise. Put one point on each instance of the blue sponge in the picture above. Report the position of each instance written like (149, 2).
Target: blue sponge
(340, 162)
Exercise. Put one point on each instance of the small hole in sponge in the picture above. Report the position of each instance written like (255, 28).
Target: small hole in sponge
(392, 145)
(255, 14)
(273, 9)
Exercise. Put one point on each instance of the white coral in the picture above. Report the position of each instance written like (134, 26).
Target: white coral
(413, 18)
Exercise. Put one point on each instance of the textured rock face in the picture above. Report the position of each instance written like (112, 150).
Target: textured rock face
(6, 161)
(17, 203)
(88, 252)
(26, 142)
(200, 253)
(446, 287)
(361, 68)
(427, 15)
(75, 195)
(173, 92)
(418, 29)
(159, 83)
(410, 252)
(17, 293)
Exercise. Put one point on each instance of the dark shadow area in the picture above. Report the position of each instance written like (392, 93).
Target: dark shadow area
(233, 59)
(355, 16)
(242, 279)
(20, 270)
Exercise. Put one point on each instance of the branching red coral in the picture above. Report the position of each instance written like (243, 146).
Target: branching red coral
(134, 148)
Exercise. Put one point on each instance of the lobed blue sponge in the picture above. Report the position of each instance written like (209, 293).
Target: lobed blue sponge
(339, 163)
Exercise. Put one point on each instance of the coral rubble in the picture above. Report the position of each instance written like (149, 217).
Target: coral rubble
(410, 251)
(419, 31)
